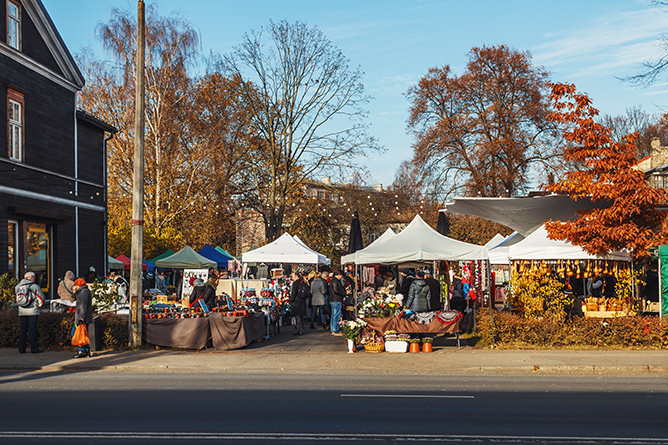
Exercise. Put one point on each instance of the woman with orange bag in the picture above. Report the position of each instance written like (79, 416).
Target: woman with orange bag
(83, 315)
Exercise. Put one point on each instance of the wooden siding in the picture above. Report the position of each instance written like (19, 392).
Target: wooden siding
(33, 45)
(90, 141)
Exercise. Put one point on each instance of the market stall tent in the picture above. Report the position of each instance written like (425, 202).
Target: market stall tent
(419, 242)
(150, 266)
(186, 258)
(389, 233)
(537, 246)
(165, 254)
(495, 241)
(326, 261)
(126, 262)
(499, 253)
(284, 250)
(214, 255)
(114, 264)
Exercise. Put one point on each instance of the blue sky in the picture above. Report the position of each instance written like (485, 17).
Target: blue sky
(395, 42)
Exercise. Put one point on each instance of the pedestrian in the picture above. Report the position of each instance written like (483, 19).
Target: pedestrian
(83, 313)
(66, 286)
(406, 280)
(209, 295)
(28, 315)
(300, 292)
(91, 275)
(160, 282)
(419, 295)
(337, 293)
(318, 291)
(435, 291)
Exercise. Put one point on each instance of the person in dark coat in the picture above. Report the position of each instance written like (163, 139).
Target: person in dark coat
(435, 292)
(458, 300)
(198, 291)
(83, 313)
(209, 294)
(419, 296)
(406, 280)
(336, 295)
(300, 292)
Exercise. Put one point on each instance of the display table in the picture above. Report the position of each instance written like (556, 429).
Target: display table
(235, 332)
(184, 333)
(404, 326)
(194, 333)
(607, 314)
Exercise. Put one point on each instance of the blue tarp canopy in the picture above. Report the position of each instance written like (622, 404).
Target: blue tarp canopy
(214, 255)
(225, 252)
(150, 266)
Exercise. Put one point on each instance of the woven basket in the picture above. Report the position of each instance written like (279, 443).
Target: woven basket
(374, 347)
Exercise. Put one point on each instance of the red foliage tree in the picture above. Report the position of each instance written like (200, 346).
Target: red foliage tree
(604, 173)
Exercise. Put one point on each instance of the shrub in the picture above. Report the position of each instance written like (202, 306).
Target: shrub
(514, 331)
(54, 331)
(7, 285)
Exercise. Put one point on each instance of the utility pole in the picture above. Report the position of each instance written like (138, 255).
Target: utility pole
(136, 264)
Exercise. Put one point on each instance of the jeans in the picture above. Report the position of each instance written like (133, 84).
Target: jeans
(336, 317)
(29, 329)
(317, 311)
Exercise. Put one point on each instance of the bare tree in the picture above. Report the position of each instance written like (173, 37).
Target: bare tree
(305, 103)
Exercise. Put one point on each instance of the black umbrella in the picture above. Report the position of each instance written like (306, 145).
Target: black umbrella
(443, 225)
(355, 242)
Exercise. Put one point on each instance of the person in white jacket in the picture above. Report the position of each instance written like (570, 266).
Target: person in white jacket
(28, 315)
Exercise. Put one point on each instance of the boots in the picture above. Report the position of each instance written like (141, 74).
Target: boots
(312, 326)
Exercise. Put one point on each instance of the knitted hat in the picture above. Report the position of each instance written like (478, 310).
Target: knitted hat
(79, 282)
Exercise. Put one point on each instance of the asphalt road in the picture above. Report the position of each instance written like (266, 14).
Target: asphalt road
(147, 408)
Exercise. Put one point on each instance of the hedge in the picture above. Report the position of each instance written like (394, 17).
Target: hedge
(54, 331)
(513, 331)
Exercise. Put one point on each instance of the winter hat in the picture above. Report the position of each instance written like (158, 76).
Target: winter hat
(79, 282)
(406, 271)
(198, 282)
(192, 280)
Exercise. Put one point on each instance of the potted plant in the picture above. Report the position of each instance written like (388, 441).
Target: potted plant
(351, 330)
(415, 345)
(426, 344)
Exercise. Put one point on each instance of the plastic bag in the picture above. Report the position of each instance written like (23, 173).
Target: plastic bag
(80, 337)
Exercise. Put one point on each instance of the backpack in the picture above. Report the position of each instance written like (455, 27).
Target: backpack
(24, 295)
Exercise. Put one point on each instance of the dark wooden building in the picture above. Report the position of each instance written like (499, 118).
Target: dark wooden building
(53, 166)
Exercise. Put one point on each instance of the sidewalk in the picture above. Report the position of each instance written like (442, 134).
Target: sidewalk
(319, 351)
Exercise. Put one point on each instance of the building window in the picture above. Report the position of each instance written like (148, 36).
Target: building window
(38, 253)
(13, 25)
(15, 125)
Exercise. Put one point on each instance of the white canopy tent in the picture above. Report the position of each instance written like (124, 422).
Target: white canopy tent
(538, 246)
(285, 250)
(350, 258)
(499, 253)
(419, 242)
(495, 241)
(326, 261)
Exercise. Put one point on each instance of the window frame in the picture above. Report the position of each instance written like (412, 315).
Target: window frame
(15, 97)
(17, 20)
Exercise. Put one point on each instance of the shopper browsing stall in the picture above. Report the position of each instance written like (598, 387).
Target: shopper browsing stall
(419, 295)
(298, 295)
(337, 293)
(83, 313)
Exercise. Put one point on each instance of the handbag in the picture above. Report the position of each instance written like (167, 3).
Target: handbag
(80, 337)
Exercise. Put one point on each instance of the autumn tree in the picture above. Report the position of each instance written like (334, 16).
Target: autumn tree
(636, 120)
(194, 132)
(305, 104)
(481, 133)
(632, 221)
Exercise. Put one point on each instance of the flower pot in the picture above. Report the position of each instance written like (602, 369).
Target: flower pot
(415, 347)
(351, 346)
(426, 347)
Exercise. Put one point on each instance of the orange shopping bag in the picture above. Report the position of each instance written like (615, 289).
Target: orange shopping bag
(80, 337)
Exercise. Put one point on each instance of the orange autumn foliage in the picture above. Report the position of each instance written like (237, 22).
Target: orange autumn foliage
(604, 172)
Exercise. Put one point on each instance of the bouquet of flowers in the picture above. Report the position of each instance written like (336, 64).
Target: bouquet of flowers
(351, 329)
(379, 306)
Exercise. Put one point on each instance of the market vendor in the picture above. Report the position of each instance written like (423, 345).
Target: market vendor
(209, 294)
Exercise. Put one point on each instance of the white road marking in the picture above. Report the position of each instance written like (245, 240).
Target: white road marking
(339, 437)
(408, 396)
